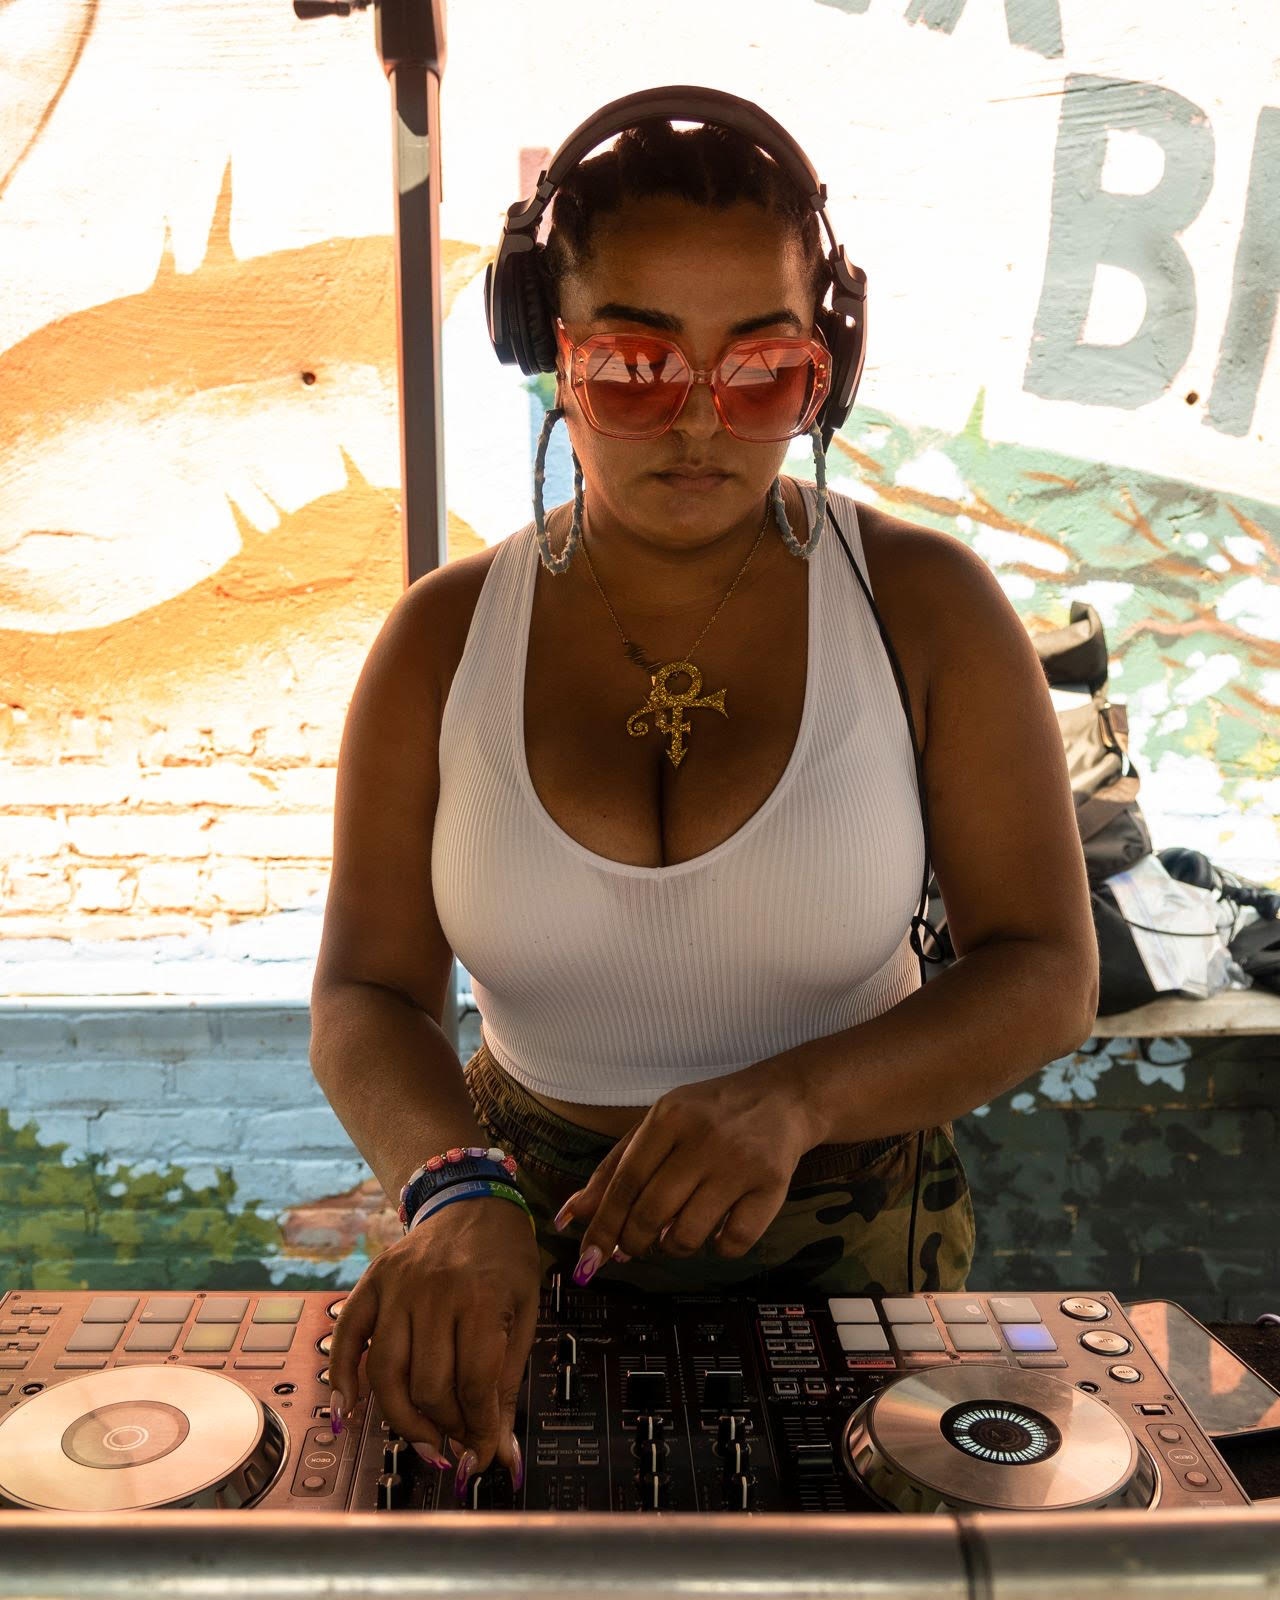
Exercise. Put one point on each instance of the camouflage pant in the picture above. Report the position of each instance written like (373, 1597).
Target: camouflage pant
(842, 1229)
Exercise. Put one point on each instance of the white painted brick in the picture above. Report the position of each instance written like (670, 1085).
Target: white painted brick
(314, 1130)
(244, 1084)
(225, 783)
(61, 1127)
(236, 886)
(298, 835)
(235, 735)
(33, 837)
(138, 834)
(103, 889)
(44, 1035)
(284, 743)
(262, 1032)
(37, 886)
(281, 1185)
(143, 1035)
(96, 1085)
(85, 736)
(167, 1136)
(44, 785)
(169, 885)
(288, 887)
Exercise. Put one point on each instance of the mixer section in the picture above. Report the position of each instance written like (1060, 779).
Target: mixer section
(720, 1404)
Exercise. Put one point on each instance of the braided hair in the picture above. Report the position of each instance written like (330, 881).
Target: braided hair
(709, 165)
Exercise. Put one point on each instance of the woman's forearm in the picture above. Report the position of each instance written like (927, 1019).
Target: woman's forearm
(391, 1076)
(998, 1014)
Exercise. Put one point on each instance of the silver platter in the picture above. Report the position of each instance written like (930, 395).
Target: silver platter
(990, 1439)
(139, 1437)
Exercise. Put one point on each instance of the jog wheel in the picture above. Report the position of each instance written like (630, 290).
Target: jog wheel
(138, 1438)
(981, 1439)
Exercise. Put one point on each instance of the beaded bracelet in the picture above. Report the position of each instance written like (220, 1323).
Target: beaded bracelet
(472, 1189)
(434, 1175)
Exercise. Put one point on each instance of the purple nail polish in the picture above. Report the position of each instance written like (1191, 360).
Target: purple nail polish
(465, 1468)
(517, 1480)
(585, 1270)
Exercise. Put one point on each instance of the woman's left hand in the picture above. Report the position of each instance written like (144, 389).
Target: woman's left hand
(711, 1158)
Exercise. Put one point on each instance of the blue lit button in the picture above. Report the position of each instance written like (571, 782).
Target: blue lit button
(1028, 1336)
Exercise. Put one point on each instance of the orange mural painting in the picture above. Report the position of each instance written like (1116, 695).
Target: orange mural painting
(120, 641)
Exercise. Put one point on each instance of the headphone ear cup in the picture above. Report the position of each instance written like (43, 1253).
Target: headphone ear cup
(533, 330)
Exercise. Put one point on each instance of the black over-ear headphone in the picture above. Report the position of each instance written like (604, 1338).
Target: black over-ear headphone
(521, 323)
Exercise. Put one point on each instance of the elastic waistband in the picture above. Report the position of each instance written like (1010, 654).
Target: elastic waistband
(549, 1143)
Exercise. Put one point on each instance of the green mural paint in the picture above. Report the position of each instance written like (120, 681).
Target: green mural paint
(1255, 284)
(1090, 227)
(77, 1225)
(1033, 24)
(1149, 537)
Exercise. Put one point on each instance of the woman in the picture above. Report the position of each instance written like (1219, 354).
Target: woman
(644, 767)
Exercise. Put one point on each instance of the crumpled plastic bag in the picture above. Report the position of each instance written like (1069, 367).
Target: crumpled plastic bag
(1179, 930)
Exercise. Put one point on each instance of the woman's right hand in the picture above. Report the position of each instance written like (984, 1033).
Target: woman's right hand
(449, 1314)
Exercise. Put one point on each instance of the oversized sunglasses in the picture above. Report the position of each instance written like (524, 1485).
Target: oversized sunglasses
(633, 385)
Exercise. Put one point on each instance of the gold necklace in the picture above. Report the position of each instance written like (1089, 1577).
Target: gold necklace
(669, 707)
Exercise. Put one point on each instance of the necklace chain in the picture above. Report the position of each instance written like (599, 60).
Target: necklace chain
(633, 651)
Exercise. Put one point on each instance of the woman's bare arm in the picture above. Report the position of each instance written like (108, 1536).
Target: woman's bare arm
(377, 1047)
(1007, 852)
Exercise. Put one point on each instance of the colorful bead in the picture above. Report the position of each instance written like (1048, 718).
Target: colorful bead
(456, 1154)
(435, 1163)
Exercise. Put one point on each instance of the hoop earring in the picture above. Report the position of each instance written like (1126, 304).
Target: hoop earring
(555, 564)
(804, 551)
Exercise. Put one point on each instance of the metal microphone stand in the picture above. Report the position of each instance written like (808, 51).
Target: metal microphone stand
(409, 35)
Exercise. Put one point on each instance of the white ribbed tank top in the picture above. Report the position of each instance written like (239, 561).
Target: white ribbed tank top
(606, 983)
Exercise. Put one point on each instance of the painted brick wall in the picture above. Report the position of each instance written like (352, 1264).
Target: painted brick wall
(199, 1151)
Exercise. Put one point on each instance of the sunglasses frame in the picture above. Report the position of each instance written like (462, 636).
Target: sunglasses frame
(575, 355)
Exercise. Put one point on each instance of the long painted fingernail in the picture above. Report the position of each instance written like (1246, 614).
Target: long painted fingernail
(620, 1255)
(336, 1407)
(431, 1457)
(563, 1218)
(587, 1265)
(465, 1468)
(517, 1480)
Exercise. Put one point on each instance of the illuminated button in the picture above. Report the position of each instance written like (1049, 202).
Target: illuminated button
(167, 1308)
(960, 1308)
(105, 1336)
(278, 1308)
(267, 1336)
(970, 1338)
(1105, 1343)
(111, 1308)
(157, 1336)
(853, 1311)
(916, 1338)
(860, 1339)
(210, 1338)
(1083, 1309)
(223, 1308)
(1028, 1336)
(1006, 1309)
(901, 1309)
(785, 1386)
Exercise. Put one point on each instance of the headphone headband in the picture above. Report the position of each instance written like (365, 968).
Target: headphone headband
(519, 319)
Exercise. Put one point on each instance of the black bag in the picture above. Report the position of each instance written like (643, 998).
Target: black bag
(1113, 831)
(1095, 737)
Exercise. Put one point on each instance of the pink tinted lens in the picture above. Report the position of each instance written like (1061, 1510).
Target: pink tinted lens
(768, 390)
(634, 386)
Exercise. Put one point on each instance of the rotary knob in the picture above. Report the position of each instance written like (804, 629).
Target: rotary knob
(738, 1492)
(648, 1427)
(566, 1350)
(567, 1384)
(734, 1458)
(391, 1452)
(653, 1495)
(650, 1453)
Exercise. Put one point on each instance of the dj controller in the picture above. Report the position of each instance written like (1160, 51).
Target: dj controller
(123, 1402)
